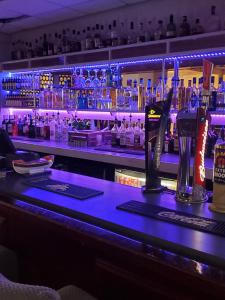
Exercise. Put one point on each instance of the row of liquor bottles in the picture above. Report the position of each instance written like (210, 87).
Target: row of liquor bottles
(79, 78)
(125, 134)
(109, 35)
(133, 97)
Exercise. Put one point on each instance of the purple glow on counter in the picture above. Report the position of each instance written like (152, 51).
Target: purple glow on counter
(84, 114)
(217, 118)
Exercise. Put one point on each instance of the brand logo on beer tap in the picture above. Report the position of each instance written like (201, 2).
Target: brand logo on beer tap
(202, 153)
(152, 114)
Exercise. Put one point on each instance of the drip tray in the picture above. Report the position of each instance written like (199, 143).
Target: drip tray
(175, 217)
(66, 189)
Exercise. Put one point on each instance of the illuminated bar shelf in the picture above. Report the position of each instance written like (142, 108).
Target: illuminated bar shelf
(190, 47)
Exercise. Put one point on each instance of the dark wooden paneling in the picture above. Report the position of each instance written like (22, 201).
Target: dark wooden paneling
(88, 57)
(139, 50)
(15, 65)
(47, 62)
(198, 43)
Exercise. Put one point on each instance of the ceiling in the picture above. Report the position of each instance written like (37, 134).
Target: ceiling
(43, 12)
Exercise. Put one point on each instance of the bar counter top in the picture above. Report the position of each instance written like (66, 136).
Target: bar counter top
(169, 162)
(101, 211)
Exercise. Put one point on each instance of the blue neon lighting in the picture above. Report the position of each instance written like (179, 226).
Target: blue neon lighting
(126, 63)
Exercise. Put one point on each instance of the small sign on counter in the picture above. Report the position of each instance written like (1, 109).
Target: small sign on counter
(218, 204)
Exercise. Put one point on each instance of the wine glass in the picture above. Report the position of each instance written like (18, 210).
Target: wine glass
(88, 81)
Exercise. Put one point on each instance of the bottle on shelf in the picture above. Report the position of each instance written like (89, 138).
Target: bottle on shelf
(138, 136)
(171, 28)
(213, 23)
(114, 133)
(134, 97)
(181, 95)
(148, 93)
(131, 38)
(197, 28)
(141, 95)
(50, 45)
(122, 132)
(159, 33)
(97, 37)
(114, 35)
(130, 135)
(45, 45)
(221, 95)
(185, 28)
(141, 33)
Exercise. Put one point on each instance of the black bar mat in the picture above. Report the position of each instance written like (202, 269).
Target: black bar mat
(66, 189)
(173, 216)
(119, 150)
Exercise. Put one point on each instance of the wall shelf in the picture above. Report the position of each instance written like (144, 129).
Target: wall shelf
(129, 54)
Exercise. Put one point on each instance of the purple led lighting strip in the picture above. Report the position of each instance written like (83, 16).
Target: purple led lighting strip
(217, 118)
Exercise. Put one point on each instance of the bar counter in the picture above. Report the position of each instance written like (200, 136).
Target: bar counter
(169, 162)
(33, 214)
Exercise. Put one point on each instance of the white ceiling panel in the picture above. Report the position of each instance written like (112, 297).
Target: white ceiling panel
(68, 2)
(95, 6)
(132, 1)
(6, 13)
(29, 7)
(60, 15)
(44, 12)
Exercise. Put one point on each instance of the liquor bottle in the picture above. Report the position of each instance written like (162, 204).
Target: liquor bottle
(15, 127)
(185, 28)
(58, 129)
(213, 96)
(114, 35)
(194, 95)
(20, 127)
(10, 125)
(181, 95)
(200, 92)
(97, 37)
(159, 91)
(31, 129)
(45, 45)
(122, 38)
(171, 28)
(175, 140)
(88, 40)
(4, 123)
(220, 105)
(65, 129)
(52, 128)
(134, 96)
(114, 132)
(160, 31)
(25, 126)
(130, 135)
(213, 21)
(46, 128)
(131, 39)
(197, 28)
(36, 49)
(59, 44)
(50, 45)
(30, 53)
(55, 44)
(141, 95)
(64, 41)
(149, 32)
(123, 134)
(78, 43)
(148, 94)
(188, 93)
(138, 136)
(141, 33)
